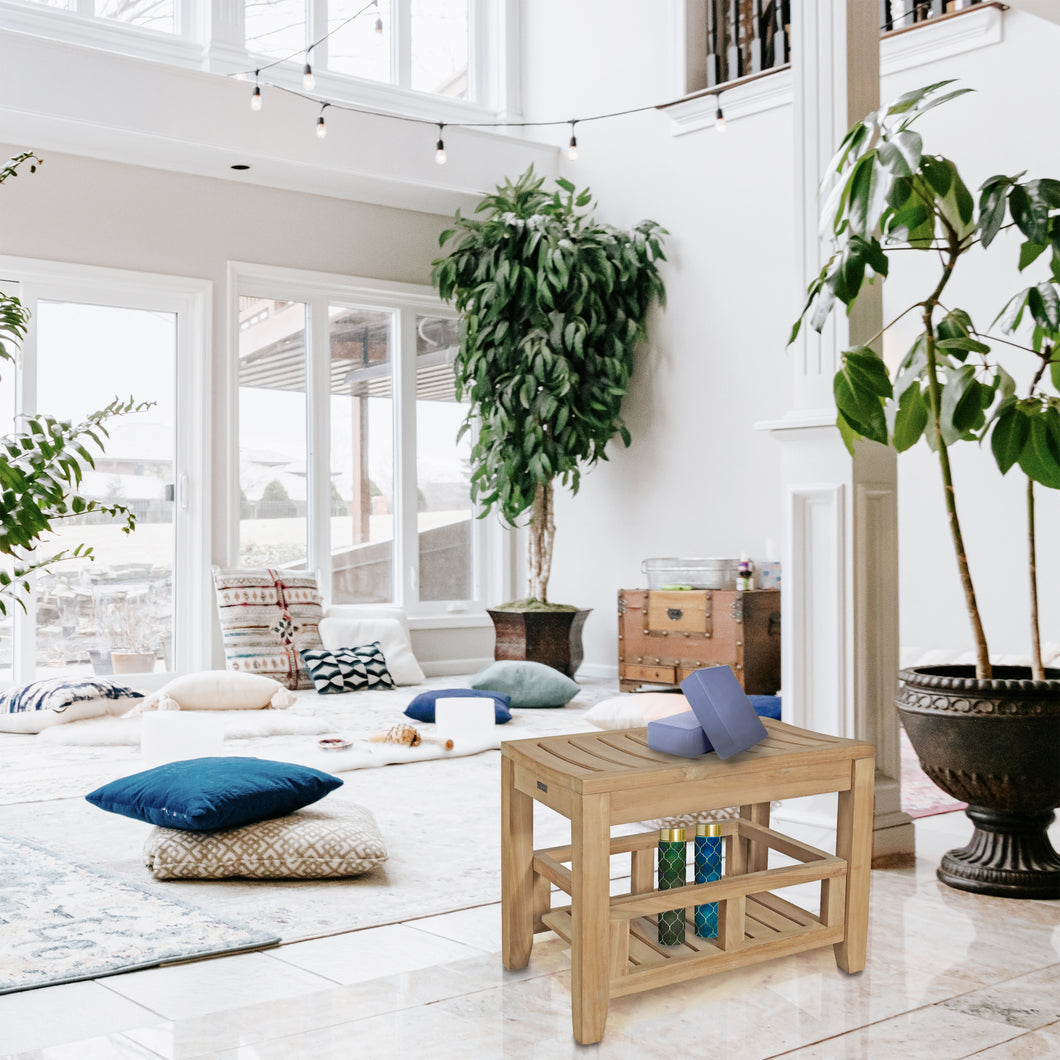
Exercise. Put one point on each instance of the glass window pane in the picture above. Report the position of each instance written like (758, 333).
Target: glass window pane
(444, 518)
(356, 47)
(151, 14)
(362, 455)
(272, 433)
(275, 28)
(122, 602)
(439, 47)
(64, 5)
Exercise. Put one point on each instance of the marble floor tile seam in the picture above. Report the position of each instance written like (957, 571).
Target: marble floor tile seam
(940, 1005)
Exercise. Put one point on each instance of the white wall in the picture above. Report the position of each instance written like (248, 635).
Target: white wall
(698, 479)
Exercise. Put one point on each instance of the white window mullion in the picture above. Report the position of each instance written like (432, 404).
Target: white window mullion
(318, 454)
(316, 23)
(24, 657)
(406, 541)
(401, 39)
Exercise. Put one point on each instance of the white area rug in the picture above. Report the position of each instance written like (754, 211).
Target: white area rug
(63, 922)
(440, 817)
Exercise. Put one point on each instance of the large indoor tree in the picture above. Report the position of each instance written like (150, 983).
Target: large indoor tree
(553, 304)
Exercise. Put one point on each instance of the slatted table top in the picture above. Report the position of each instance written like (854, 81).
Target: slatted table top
(596, 762)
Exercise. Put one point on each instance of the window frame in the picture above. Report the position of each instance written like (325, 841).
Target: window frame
(190, 300)
(318, 290)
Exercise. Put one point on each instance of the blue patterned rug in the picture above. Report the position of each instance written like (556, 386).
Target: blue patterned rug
(61, 922)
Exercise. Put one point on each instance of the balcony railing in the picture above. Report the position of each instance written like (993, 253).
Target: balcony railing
(749, 37)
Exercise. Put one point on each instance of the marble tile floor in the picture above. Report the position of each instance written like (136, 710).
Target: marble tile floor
(949, 975)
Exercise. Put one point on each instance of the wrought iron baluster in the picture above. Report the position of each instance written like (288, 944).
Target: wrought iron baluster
(713, 43)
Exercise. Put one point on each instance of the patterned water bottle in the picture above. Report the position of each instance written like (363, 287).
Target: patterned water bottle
(672, 862)
(708, 869)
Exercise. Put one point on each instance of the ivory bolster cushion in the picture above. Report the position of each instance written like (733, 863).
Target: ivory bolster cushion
(217, 690)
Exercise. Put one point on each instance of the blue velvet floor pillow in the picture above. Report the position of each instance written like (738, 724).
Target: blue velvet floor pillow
(205, 794)
(422, 706)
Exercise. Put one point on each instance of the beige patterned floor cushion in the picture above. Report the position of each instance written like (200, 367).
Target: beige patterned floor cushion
(309, 844)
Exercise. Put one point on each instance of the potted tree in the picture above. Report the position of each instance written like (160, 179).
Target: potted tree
(988, 735)
(553, 304)
(41, 464)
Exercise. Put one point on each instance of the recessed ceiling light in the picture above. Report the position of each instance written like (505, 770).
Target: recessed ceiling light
(240, 165)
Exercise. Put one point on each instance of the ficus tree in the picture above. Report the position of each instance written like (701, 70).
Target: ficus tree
(553, 304)
(956, 383)
(42, 463)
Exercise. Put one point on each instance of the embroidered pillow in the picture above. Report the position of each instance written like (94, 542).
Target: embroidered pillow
(204, 794)
(267, 617)
(41, 704)
(348, 669)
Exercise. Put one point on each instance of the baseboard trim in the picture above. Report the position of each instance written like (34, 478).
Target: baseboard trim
(452, 667)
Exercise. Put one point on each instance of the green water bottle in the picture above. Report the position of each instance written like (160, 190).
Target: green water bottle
(672, 862)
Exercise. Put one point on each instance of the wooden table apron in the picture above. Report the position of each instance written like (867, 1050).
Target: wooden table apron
(595, 780)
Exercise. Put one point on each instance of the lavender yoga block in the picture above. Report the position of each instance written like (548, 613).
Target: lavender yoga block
(680, 734)
(723, 710)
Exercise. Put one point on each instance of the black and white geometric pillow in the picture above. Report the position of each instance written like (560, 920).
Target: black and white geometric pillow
(374, 661)
(335, 671)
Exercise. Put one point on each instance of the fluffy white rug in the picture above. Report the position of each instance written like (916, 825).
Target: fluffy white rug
(237, 725)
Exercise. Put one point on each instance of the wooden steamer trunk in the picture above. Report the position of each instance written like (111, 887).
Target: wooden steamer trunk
(664, 635)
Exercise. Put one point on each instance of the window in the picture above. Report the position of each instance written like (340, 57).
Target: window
(162, 16)
(132, 609)
(348, 461)
(423, 45)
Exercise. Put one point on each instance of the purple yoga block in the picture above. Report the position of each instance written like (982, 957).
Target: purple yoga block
(723, 710)
(680, 734)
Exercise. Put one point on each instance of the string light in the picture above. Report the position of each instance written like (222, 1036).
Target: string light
(255, 96)
(379, 20)
(308, 80)
(719, 118)
(572, 147)
(439, 150)
(322, 128)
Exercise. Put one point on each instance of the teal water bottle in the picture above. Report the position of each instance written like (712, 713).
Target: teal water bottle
(708, 869)
(672, 863)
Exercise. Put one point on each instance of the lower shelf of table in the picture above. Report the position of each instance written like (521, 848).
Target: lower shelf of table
(773, 928)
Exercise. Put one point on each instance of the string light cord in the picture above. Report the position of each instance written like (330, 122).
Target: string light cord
(305, 51)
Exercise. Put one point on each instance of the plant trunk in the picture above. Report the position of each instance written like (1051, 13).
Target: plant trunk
(982, 654)
(1037, 670)
(542, 533)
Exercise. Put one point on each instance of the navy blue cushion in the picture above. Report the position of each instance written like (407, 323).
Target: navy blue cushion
(204, 794)
(766, 706)
(422, 707)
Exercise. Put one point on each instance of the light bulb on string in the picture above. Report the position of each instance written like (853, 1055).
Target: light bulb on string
(308, 80)
(379, 26)
(322, 128)
(719, 117)
(439, 149)
(572, 147)
(255, 96)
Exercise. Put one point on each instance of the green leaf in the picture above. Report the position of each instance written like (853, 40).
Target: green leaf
(962, 343)
(911, 418)
(1040, 456)
(1029, 252)
(1010, 434)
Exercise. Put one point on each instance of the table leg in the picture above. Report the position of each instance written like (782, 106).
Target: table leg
(517, 871)
(758, 857)
(853, 843)
(590, 913)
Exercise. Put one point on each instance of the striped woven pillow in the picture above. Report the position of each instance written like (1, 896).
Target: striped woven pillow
(267, 617)
(37, 706)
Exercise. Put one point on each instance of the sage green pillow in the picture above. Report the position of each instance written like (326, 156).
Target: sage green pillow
(529, 684)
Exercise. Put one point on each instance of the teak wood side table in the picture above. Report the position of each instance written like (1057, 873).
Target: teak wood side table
(601, 779)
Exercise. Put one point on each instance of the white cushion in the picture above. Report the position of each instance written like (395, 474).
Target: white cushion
(635, 709)
(345, 631)
(218, 690)
(309, 844)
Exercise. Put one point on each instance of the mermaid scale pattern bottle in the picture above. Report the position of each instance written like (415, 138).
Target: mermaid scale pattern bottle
(708, 869)
(672, 862)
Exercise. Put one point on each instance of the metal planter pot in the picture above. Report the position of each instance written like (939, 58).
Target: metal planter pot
(550, 637)
(994, 744)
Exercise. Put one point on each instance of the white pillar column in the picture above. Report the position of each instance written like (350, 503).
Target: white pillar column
(840, 552)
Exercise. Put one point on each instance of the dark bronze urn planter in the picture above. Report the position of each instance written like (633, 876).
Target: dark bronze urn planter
(550, 637)
(994, 744)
